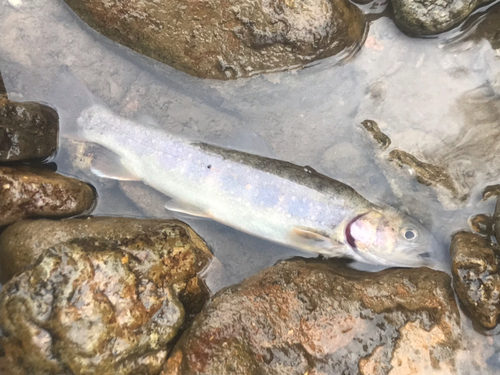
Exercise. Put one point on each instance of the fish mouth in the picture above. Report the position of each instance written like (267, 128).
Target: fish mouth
(348, 235)
(419, 256)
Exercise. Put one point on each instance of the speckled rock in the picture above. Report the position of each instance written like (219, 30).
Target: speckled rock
(427, 17)
(23, 242)
(320, 317)
(27, 192)
(110, 303)
(228, 39)
(27, 130)
(476, 276)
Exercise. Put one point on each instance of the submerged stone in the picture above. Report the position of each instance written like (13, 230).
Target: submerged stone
(432, 16)
(428, 174)
(319, 317)
(110, 301)
(27, 192)
(487, 28)
(27, 130)
(476, 276)
(228, 39)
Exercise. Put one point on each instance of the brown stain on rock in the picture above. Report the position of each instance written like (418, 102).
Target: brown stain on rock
(310, 316)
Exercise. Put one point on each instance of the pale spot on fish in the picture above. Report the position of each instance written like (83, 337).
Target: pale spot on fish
(298, 207)
(267, 196)
(248, 187)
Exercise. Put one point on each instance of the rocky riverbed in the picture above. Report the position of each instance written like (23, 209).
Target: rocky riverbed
(348, 88)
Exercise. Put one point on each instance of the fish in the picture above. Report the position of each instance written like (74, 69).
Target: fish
(272, 199)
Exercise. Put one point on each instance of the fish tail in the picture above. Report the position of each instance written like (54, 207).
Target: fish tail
(69, 96)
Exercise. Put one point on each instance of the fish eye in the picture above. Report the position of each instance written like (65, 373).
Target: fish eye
(409, 234)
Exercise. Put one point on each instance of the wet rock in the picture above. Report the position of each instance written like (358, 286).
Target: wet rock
(372, 127)
(482, 224)
(109, 303)
(27, 130)
(476, 276)
(428, 174)
(23, 242)
(487, 27)
(431, 16)
(319, 317)
(231, 39)
(27, 192)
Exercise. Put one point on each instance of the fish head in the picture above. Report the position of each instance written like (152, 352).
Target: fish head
(388, 237)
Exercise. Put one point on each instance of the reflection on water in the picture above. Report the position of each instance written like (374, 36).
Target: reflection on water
(437, 99)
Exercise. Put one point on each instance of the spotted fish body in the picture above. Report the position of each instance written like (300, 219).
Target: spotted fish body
(272, 199)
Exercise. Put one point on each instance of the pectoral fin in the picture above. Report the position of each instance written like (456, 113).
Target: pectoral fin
(317, 241)
(311, 234)
(107, 164)
(175, 206)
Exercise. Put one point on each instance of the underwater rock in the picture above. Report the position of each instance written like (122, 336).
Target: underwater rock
(110, 301)
(428, 174)
(432, 16)
(320, 317)
(27, 130)
(372, 127)
(476, 277)
(228, 39)
(488, 27)
(27, 192)
(482, 224)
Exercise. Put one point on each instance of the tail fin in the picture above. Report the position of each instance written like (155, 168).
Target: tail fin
(69, 96)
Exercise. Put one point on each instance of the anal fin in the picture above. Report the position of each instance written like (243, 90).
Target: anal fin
(184, 208)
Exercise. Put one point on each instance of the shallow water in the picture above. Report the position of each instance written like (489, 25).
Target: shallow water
(436, 98)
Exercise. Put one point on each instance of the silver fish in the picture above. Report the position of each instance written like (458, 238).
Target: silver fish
(272, 199)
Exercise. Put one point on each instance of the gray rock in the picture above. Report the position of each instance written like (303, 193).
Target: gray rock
(27, 192)
(427, 17)
(320, 317)
(111, 301)
(228, 39)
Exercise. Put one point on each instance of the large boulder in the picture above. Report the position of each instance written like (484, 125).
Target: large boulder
(228, 39)
(320, 317)
(109, 301)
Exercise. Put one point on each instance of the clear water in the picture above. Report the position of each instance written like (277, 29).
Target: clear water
(436, 98)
